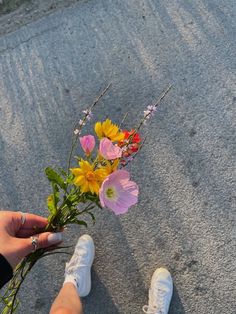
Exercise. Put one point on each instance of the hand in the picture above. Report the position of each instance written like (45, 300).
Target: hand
(15, 235)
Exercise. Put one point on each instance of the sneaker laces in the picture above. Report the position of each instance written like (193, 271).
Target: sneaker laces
(75, 261)
(160, 307)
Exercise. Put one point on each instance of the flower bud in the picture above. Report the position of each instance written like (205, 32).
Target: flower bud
(87, 143)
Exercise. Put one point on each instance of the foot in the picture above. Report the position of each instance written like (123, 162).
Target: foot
(78, 270)
(160, 292)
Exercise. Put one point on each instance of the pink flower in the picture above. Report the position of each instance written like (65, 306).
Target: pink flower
(118, 193)
(108, 150)
(87, 143)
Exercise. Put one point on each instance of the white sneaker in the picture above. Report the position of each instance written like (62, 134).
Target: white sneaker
(78, 270)
(160, 293)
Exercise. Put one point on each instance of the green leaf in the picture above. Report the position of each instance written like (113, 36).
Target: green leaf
(81, 222)
(98, 204)
(51, 204)
(92, 216)
(68, 201)
(56, 194)
(54, 177)
(91, 197)
(62, 172)
(78, 158)
(70, 178)
(72, 198)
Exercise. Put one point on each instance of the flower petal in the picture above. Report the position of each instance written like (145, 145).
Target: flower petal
(108, 150)
(126, 192)
(87, 143)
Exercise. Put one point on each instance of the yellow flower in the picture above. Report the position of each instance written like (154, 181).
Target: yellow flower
(88, 179)
(109, 130)
(111, 167)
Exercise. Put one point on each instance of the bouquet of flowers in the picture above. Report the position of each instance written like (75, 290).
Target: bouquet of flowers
(99, 178)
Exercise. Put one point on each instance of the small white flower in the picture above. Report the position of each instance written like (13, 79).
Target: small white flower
(152, 108)
(150, 111)
(76, 131)
(88, 114)
(81, 122)
(146, 114)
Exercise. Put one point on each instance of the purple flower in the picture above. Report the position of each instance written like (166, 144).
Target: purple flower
(118, 193)
(108, 150)
(87, 143)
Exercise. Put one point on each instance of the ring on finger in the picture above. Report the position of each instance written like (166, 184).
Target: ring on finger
(34, 242)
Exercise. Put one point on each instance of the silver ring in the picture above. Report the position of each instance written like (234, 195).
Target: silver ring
(23, 218)
(34, 242)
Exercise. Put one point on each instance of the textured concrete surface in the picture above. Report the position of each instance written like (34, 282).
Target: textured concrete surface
(185, 220)
(16, 13)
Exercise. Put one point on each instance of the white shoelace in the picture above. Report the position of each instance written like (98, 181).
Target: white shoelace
(160, 308)
(74, 263)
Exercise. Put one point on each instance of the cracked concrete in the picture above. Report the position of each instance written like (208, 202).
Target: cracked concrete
(185, 220)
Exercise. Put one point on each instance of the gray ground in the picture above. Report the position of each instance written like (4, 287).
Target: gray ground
(15, 13)
(185, 220)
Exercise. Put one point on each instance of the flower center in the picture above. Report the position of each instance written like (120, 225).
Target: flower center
(90, 176)
(111, 193)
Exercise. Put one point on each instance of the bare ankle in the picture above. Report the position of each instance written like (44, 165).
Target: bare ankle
(64, 310)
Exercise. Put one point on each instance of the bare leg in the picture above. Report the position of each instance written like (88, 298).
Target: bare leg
(77, 281)
(67, 301)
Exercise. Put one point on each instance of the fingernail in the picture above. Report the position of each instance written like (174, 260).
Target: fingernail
(54, 238)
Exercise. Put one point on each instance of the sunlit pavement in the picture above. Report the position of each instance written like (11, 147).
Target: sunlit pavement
(53, 68)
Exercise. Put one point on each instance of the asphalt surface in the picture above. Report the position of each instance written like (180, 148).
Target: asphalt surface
(53, 68)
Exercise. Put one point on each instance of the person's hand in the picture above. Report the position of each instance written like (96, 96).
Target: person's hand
(20, 235)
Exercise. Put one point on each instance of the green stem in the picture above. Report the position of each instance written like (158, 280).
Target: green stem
(156, 104)
(75, 139)
(138, 127)
(23, 276)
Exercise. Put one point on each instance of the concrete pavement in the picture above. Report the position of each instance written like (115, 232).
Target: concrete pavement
(185, 220)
